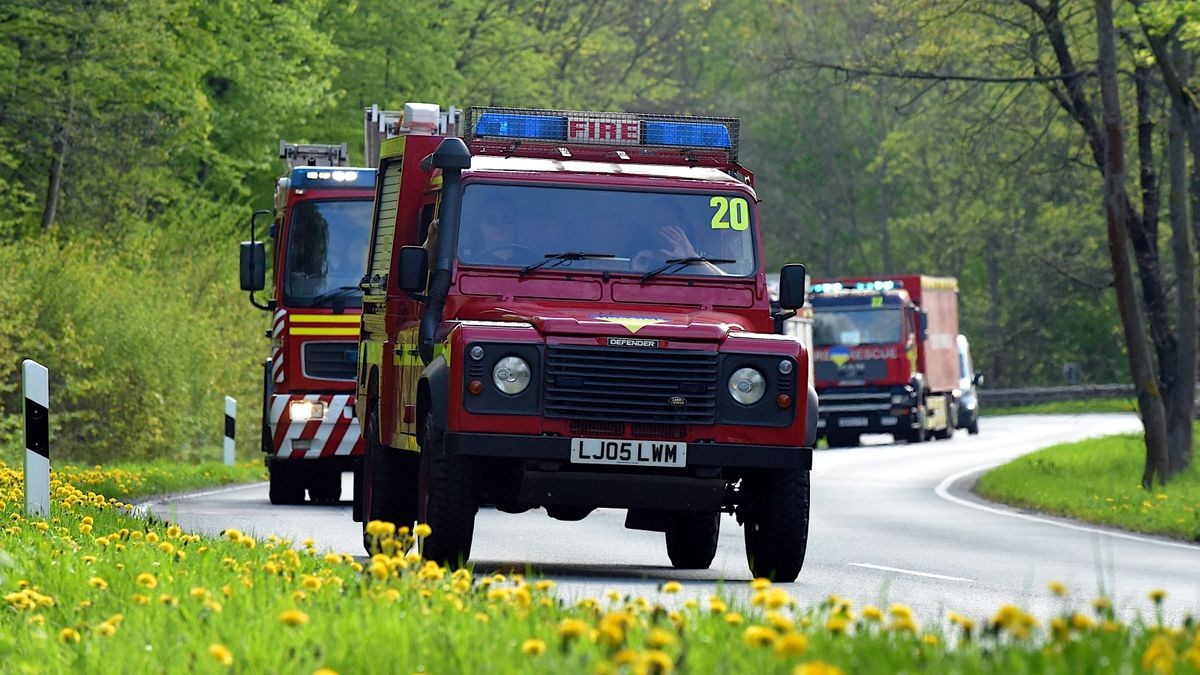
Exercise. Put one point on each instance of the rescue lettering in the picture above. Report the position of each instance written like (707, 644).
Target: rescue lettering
(861, 354)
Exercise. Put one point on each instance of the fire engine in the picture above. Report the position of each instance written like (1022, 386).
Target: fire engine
(568, 310)
(319, 229)
(886, 357)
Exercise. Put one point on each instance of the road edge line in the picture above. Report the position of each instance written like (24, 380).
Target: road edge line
(943, 491)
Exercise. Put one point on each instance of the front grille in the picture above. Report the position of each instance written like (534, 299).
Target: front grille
(599, 383)
(597, 428)
(663, 432)
(330, 360)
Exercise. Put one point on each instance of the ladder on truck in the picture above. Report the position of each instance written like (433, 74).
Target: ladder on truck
(380, 125)
(313, 154)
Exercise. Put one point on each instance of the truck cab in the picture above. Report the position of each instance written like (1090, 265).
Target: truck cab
(885, 357)
(569, 311)
(320, 229)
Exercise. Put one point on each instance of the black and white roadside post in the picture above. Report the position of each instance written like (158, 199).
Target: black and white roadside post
(230, 425)
(35, 383)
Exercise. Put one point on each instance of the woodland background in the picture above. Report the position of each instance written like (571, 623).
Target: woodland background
(136, 137)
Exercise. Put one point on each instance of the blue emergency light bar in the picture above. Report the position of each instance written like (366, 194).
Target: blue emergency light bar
(604, 129)
(875, 285)
(310, 177)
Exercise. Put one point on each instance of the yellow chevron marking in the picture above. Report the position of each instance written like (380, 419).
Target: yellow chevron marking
(342, 331)
(325, 318)
(631, 323)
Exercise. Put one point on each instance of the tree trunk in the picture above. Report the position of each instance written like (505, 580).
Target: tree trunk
(1144, 380)
(61, 145)
(1181, 400)
(885, 214)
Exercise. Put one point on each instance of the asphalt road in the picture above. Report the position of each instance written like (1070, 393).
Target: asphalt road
(890, 523)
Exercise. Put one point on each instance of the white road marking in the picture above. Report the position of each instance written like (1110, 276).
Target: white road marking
(943, 491)
(912, 572)
(142, 508)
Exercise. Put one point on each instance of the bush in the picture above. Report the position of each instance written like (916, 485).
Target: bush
(143, 337)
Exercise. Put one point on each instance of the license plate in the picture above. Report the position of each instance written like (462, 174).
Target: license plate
(636, 453)
(852, 422)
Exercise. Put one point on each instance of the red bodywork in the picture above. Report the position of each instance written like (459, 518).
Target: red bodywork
(726, 314)
(338, 434)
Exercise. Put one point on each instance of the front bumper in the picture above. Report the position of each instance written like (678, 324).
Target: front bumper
(866, 422)
(558, 448)
(550, 479)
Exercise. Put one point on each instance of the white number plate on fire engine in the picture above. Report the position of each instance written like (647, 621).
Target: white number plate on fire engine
(852, 422)
(639, 453)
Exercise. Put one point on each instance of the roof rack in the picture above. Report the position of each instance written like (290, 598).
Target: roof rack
(313, 154)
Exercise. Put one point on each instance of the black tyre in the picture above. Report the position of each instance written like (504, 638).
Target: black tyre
(449, 498)
(917, 435)
(389, 481)
(777, 524)
(324, 484)
(287, 486)
(692, 539)
(973, 427)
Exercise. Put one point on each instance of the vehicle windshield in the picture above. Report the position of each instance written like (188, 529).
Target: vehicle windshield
(619, 230)
(852, 327)
(327, 253)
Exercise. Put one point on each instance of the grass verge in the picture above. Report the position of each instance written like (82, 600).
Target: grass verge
(1098, 480)
(129, 481)
(1095, 405)
(94, 589)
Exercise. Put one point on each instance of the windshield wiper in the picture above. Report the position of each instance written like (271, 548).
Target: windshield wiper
(560, 258)
(680, 263)
(339, 292)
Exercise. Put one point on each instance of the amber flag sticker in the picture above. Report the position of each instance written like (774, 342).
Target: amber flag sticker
(632, 323)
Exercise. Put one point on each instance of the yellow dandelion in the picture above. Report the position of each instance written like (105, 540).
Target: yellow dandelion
(791, 644)
(98, 583)
(198, 593)
(233, 534)
(672, 587)
(1082, 622)
(1158, 595)
(717, 605)
(293, 617)
(734, 619)
(837, 624)
(760, 584)
(544, 585)
(1160, 656)
(139, 599)
(930, 639)
(422, 530)
(1059, 588)
(569, 629)
(1101, 605)
(311, 582)
(659, 638)
(872, 613)
(147, 580)
(333, 558)
(380, 528)
(776, 598)
(901, 611)
(817, 668)
(85, 529)
(325, 671)
(658, 661)
(758, 636)
(105, 629)
(532, 646)
(151, 538)
(173, 531)
(221, 654)
(68, 636)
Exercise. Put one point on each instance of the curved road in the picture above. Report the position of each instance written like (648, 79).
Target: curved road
(890, 523)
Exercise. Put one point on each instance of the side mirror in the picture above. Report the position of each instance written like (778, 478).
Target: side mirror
(253, 266)
(792, 278)
(923, 324)
(413, 264)
(978, 379)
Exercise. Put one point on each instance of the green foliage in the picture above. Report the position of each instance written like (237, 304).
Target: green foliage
(1095, 480)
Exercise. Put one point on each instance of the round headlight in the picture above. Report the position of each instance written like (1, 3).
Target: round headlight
(747, 386)
(785, 367)
(511, 375)
(476, 352)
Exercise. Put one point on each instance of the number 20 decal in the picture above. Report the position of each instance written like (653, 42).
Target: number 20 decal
(731, 214)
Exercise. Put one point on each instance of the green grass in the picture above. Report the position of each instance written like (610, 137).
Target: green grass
(93, 589)
(1098, 480)
(1097, 405)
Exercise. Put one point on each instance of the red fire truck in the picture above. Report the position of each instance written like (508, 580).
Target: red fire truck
(587, 327)
(885, 356)
(320, 228)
